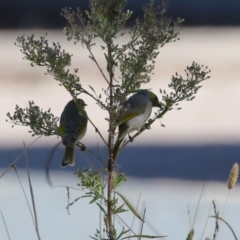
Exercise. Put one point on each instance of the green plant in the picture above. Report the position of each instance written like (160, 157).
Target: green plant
(135, 61)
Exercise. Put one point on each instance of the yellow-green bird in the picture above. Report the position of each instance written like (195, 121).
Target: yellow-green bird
(138, 110)
(73, 126)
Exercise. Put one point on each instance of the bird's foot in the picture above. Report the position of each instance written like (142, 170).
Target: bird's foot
(81, 146)
(130, 138)
(147, 126)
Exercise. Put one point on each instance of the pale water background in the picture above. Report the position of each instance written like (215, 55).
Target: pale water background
(212, 119)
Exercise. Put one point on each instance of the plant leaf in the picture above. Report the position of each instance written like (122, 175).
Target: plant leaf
(101, 207)
(93, 90)
(129, 206)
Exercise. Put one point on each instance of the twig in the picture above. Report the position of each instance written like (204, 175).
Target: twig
(82, 146)
(68, 197)
(94, 60)
(96, 129)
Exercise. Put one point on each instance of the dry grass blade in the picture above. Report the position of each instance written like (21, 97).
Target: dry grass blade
(19, 156)
(227, 225)
(134, 215)
(5, 225)
(151, 226)
(142, 223)
(203, 187)
(25, 195)
(125, 224)
(233, 176)
(205, 225)
(189, 216)
(31, 192)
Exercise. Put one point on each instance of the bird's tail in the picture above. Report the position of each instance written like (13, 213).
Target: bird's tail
(117, 146)
(68, 158)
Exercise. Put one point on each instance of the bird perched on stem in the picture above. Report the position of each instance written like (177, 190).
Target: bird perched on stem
(138, 109)
(73, 126)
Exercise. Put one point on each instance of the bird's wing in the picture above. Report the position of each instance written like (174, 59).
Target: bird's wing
(61, 129)
(135, 105)
(80, 127)
(72, 125)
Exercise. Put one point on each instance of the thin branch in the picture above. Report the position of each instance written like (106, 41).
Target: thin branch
(94, 60)
(96, 129)
(84, 148)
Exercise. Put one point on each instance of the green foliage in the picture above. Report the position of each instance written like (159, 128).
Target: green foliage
(92, 182)
(185, 88)
(40, 53)
(137, 57)
(40, 122)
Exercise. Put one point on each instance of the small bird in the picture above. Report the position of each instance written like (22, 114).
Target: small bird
(73, 126)
(138, 109)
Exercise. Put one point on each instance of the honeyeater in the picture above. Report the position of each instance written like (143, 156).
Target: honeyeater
(73, 126)
(138, 109)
